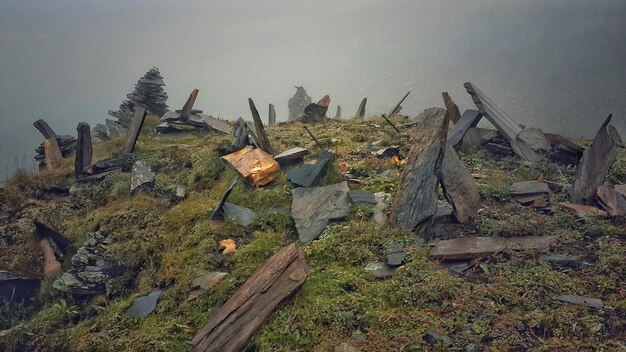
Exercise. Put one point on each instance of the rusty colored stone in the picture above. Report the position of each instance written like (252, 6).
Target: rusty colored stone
(254, 164)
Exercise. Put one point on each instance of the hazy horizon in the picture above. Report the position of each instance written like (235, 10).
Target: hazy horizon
(556, 65)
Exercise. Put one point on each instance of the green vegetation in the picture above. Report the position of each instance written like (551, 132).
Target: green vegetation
(505, 303)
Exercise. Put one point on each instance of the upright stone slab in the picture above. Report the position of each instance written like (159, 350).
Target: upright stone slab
(451, 108)
(338, 113)
(459, 187)
(263, 140)
(134, 130)
(54, 158)
(595, 164)
(416, 200)
(271, 116)
(360, 112)
(185, 114)
(396, 109)
(84, 150)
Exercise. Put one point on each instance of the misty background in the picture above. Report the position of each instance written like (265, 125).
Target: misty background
(557, 65)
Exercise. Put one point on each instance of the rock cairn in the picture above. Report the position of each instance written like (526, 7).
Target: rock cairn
(148, 93)
(298, 103)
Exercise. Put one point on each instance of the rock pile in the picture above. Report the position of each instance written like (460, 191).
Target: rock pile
(189, 119)
(66, 144)
(148, 93)
(298, 103)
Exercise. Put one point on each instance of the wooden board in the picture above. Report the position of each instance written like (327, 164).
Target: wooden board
(416, 200)
(595, 164)
(476, 247)
(133, 131)
(459, 187)
(261, 137)
(230, 327)
(84, 149)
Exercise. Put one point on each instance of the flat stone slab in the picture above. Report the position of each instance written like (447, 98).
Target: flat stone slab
(254, 164)
(469, 119)
(362, 197)
(535, 193)
(395, 254)
(313, 208)
(307, 175)
(579, 209)
(241, 215)
(561, 260)
(144, 305)
(476, 247)
(208, 280)
(142, 175)
(380, 270)
(291, 156)
(583, 301)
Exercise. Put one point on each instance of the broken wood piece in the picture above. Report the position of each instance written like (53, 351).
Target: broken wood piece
(416, 200)
(291, 157)
(254, 164)
(580, 209)
(459, 187)
(451, 108)
(261, 137)
(595, 164)
(185, 114)
(477, 247)
(45, 129)
(313, 208)
(360, 112)
(612, 201)
(469, 119)
(134, 130)
(54, 157)
(84, 149)
(271, 116)
(230, 327)
(313, 137)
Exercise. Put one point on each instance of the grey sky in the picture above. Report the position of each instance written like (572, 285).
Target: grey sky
(558, 65)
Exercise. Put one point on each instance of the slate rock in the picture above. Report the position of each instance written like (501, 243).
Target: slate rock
(560, 260)
(345, 347)
(208, 280)
(432, 337)
(241, 215)
(382, 203)
(579, 300)
(476, 247)
(395, 254)
(380, 270)
(144, 305)
(459, 187)
(16, 287)
(142, 176)
(291, 157)
(362, 197)
(313, 208)
(307, 175)
(444, 214)
(218, 213)
(180, 191)
(387, 152)
(468, 120)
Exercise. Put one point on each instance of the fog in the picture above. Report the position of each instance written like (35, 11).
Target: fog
(557, 65)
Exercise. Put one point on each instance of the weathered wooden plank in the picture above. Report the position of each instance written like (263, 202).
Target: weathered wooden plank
(45, 129)
(271, 119)
(185, 114)
(84, 149)
(469, 119)
(134, 130)
(360, 112)
(451, 108)
(595, 164)
(476, 247)
(231, 326)
(261, 136)
(416, 201)
(459, 187)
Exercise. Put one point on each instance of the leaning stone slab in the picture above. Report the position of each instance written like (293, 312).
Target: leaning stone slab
(469, 119)
(535, 138)
(360, 112)
(134, 130)
(313, 208)
(142, 176)
(54, 157)
(452, 110)
(254, 165)
(612, 201)
(579, 300)
(45, 129)
(307, 175)
(416, 201)
(208, 280)
(218, 213)
(240, 215)
(144, 305)
(477, 247)
(459, 187)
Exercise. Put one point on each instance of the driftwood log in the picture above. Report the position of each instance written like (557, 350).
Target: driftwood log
(416, 201)
(231, 326)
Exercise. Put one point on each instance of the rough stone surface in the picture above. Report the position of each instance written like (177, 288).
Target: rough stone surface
(297, 103)
(51, 266)
(382, 203)
(144, 305)
(307, 175)
(583, 301)
(142, 176)
(313, 208)
(362, 197)
(459, 187)
(380, 270)
(452, 110)
(476, 247)
(240, 215)
(208, 280)
(148, 93)
(612, 201)
(360, 112)
(395, 254)
(291, 157)
(561, 260)
(468, 120)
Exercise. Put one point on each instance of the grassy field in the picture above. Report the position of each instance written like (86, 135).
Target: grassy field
(503, 304)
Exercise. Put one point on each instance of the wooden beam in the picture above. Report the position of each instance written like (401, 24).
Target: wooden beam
(263, 140)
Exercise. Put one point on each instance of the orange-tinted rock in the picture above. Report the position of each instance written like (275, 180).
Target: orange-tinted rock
(51, 266)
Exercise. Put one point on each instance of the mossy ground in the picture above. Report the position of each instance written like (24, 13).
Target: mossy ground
(502, 304)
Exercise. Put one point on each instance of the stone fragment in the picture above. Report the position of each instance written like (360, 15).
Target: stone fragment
(499, 149)
(84, 150)
(313, 208)
(579, 300)
(218, 213)
(464, 123)
(382, 203)
(142, 176)
(133, 131)
(396, 109)
(361, 197)
(338, 113)
(535, 139)
(45, 129)
(387, 152)
(452, 110)
(291, 157)
(345, 347)
(271, 120)
(261, 137)
(240, 215)
(254, 165)
(144, 305)
(180, 191)
(46, 231)
(580, 209)
(476, 136)
(395, 254)
(185, 113)
(444, 214)
(16, 288)
(54, 158)
(307, 175)
(148, 94)
(297, 103)
(360, 112)
(459, 187)
(563, 150)
(380, 270)
(476, 247)
(561, 260)
(51, 266)
(612, 201)
(208, 280)
(432, 337)
(535, 193)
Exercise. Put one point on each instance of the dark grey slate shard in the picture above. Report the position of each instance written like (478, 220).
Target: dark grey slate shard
(362, 197)
(238, 214)
(110, 164)
(469, 119)
(395, 254)
(456, 267)
(47, 231)
(310, 175)
(432, 337)
(16, 288)
(218, 213)
(313, 208)
(387, 152)
(360, 112)
(380, 270)
(561, 260)
(45, 129)
(291, 157)
(144, 305)
(142, 176)
(499, 149)
(583, 301)
(192, 111)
